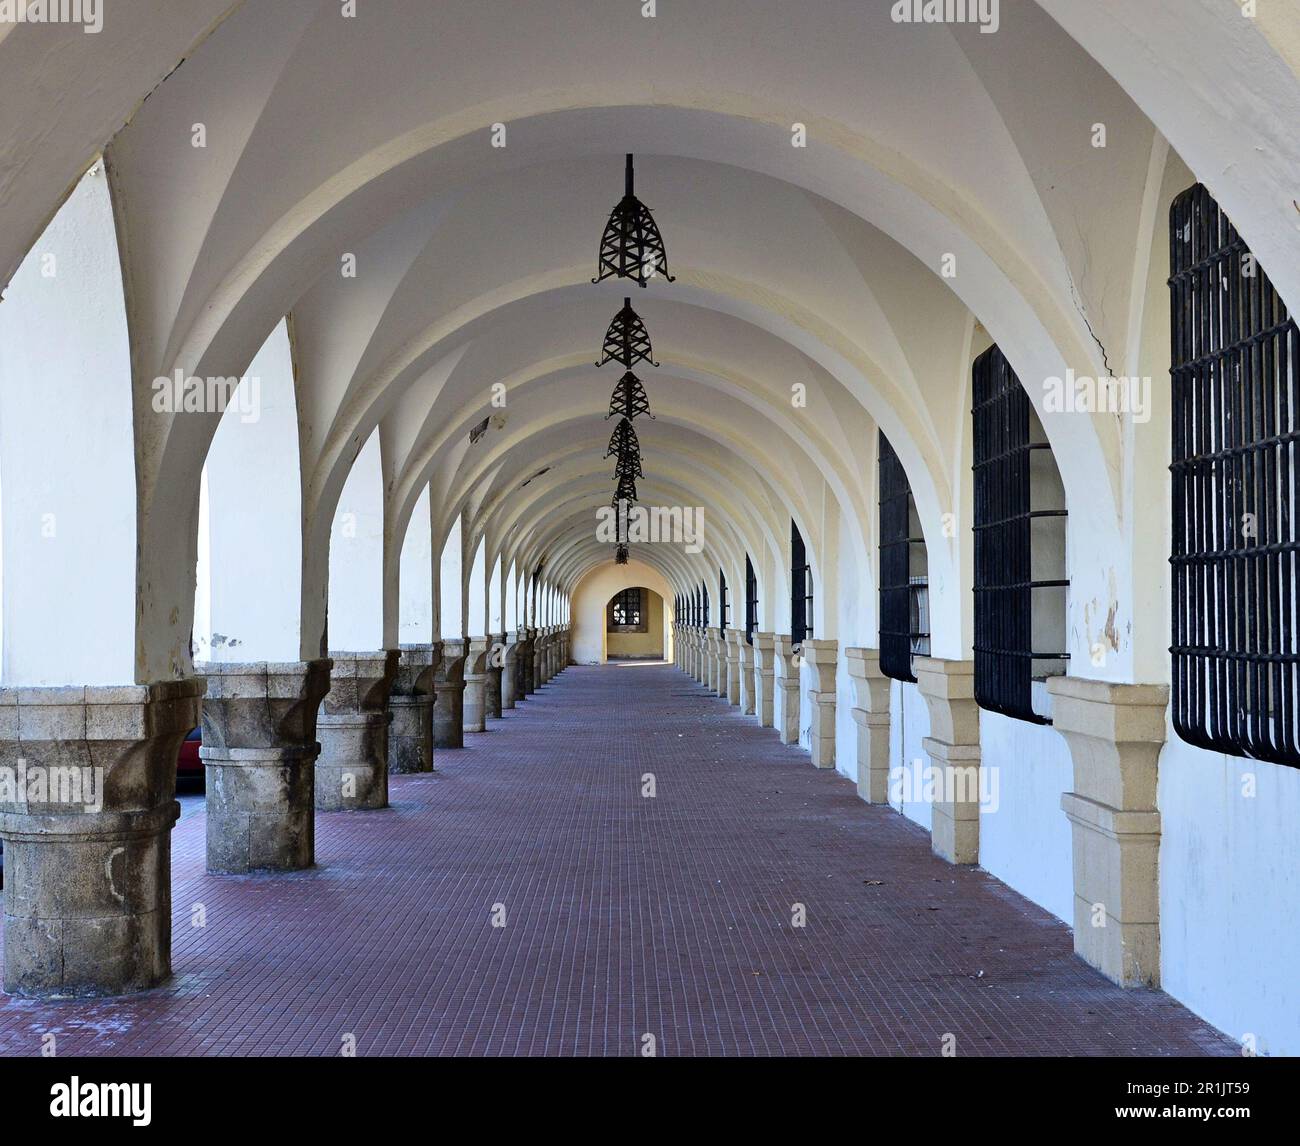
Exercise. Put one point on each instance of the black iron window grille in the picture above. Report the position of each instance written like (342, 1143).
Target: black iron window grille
(724, 599)
(626, 612)
(1020, 515)
(751, 601)
(904, 585)
(801, 589)
(704, 597)
(1235, 379)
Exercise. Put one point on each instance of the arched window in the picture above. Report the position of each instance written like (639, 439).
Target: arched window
(751, 601)
(1020, 582)
(904, 579)
(627, 612)
(724, 599)
(801, 588)
(1235, 385)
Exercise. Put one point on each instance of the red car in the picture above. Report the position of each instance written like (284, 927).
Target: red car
(189, 767)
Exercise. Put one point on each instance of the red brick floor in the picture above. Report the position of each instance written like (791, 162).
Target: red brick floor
(625, 916)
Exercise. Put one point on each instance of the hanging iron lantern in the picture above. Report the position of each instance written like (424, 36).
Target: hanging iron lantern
(629, 398)
(623, 440)
(620, 555)
(631, 247)
(626, 490)
(627, 340)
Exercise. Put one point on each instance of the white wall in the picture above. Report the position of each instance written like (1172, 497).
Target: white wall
(909, 724)
(67, 462)
(450, 596)
(1025, 838)
(415, 588)
(250, 544)
(1230, 892)
(356, 607)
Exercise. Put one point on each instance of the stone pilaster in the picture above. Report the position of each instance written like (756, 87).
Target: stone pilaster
(1115, 732)
(954, 750)
(410, 735)
(732, 639)
(474, 716)
(785, 703)
(259, 754)
(717, 682)
(764, 678)
(822, 656)
(494, 689)
(746, 677)
(871, 715)
(449, 697)
(87, 896)
(352, 770)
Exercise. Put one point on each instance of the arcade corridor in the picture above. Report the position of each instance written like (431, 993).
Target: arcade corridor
(624, 915)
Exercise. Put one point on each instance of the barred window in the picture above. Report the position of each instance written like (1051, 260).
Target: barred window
(904, 580)
(751, 601)
(1020, 517)
(704, 599)
(801, 588)
(626, 612)
(1235, 388)
(725, 599)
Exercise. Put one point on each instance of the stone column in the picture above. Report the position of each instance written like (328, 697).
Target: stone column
(87, 895)
(352, 770)
(475, 719)
(692, 662)
(544, 657)
(530, 678)
(539, 658)
(410, 735)
(494, 690)
(1115, 732)
(822, 656)
(785, 704)
(732, 640)
(449, 697)
(523, 665)
(259, 754)
(746, 677)
(509, 671)
(871, 715)
(699, 668)
(954, 750)
(717, 680)
(764, 678)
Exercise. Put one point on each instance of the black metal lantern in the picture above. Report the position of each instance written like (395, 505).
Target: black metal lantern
(627, 340)
(631, 247)
(620, 555)
(626, 490)
(629, 398)
(623, 441)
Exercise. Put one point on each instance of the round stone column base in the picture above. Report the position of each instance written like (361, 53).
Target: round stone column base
(87, 902)
(410, 735)
(352, 770)
(260, 808)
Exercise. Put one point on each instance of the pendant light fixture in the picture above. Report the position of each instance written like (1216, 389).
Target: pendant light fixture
(631, 247)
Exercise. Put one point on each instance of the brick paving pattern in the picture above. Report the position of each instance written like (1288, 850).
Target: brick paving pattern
(625, 916)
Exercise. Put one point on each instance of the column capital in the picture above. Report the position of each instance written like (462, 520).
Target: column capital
(870, 685)
(361, 681)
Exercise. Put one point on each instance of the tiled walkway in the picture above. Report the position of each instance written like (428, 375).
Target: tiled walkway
(625, 916)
